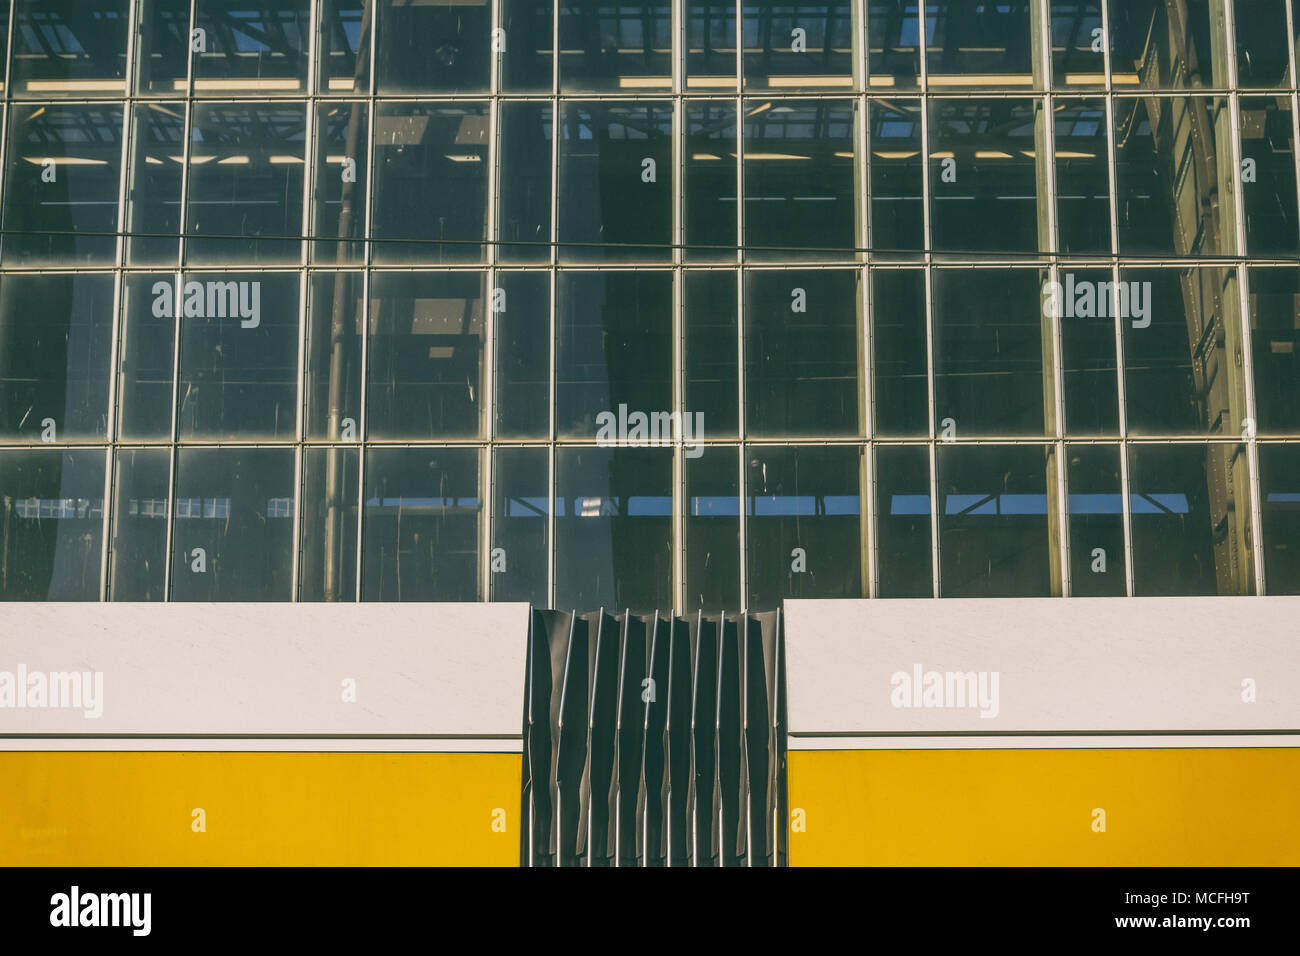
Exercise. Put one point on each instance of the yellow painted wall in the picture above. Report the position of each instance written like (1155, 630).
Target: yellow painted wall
(135, 809)
(1173, 807)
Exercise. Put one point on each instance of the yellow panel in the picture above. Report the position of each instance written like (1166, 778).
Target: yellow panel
(1173, 807)
(305, 809)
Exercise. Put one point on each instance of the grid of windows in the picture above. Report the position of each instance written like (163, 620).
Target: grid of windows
(672, 304)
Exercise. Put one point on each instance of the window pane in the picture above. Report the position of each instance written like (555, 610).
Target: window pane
(802, 353)
(613, 528)
(1275, 335)
(138, 556)
(341, 181)
(1096, 521)
(902, 392)
(526, 59)
(1262, 55)
(425, 355)
(709, 212)
(523, 355)
(1279, 480)
(246, 183)
(806, 44)
(434, 48)
(1082, 179)
(1078, 58)
(69, 47)
(233, 537)
(800, 200)
(145, 380)
(1162, 47)
(328, 553)
(984, 192)
(1088, 352)
(154, 193)
(804, 532)
(978, 44)
(346, 28)
(252, 46)
(57, 335)
(421, 525)
(51, 524)
(903, 542)
(897, 202)
(993, 535)
(893, 34)
(711, 44)
(430, 182)
(711, 349)
(520, 515)
(239, 354)
(616, 178)
(614, 348)
(613, 46)
(334, 329)
(162, 46)
(712, 528)
(524, 182)
(1191, 510)
(988, 352)
(1268, 142)
(61, 187)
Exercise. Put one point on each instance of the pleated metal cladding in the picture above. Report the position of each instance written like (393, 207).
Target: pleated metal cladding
(652, 740)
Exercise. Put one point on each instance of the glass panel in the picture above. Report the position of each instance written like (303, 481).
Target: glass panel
(61, 188)
(984, 186)
(51, 524)
(529, 44)
(711, 351)
(616, 182)
(252, 46)
(523, 355)
(153, 209)
(141, 495)
(328, 553)
(430, 182)
(162, 46)
(69, 47)
(421, 525)
(614, 351)
(56, 342)
(425, 355)
(1085, 310)
(802, 353)
(615, 46)
(804, 536)
(434, 47)
(334, 329)
(893, 39)
(1262, 54)
(1078, 44)
(346, 28)
(524, 182)
(521, 506)
(803, 44)
(1096, 508)
(233, 535)
(239, 354)
(1279, 480)
(1082, 177)
(1173, 168)
(905, 551)
(339, 196)
(1181, 327)
(993, 537)
(978, 44)
(1159, 46)
(800, 200)
(711, 44)
(1269, 191)
(613, 528)
(900, 377)
(712, 528)
(1275, 342)
(1190, 531)
(145, 383)
(897, 206)
(709, 213)
(988, 353)
(246, 183)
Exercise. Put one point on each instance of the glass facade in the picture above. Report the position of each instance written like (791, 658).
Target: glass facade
(679, 305)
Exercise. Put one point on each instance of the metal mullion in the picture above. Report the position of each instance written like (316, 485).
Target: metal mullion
(742, 439)
(557, 130)
(680, 499)
(1290, 42)
(367, 261)
(928, 265)
(488, 389)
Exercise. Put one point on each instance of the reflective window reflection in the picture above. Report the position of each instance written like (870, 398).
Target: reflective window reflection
(712, 528)
(900, 382)
(893, 43)
(524, 182)
(434, 48)
(526, 61)
(710, 181)
(328, 551)
(894, 166)
(1279, 481)
(1082, 177)
(522, 367)
(346, 30)
(984, 44)
(252, 46)
(711, 44)
(162, 46)
(521, 513)
(341, 181)
(335, 322)
(1096, 510)
(1087, 324)
(1275, 348)
(138, 548)
(904, 549)
(1269, 193)
(1262, 55)
(154, 192)
(69, 47)
(145, 384)
(709, 329)
(804, 44)
(1078, 44)
(615, 46)
(1158, 46)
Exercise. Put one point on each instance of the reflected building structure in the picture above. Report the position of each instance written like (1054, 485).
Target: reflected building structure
(828, 228)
